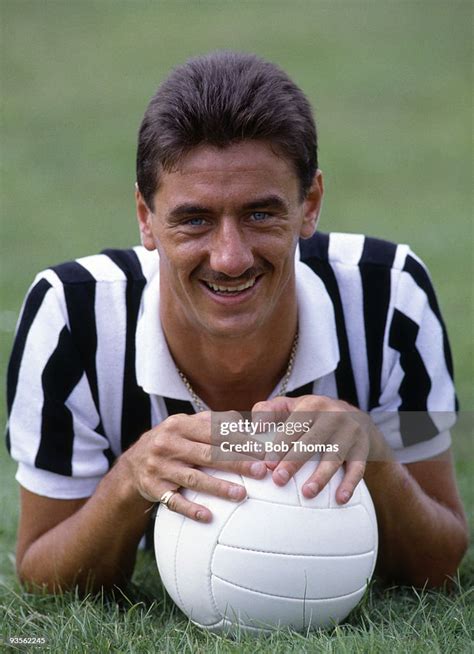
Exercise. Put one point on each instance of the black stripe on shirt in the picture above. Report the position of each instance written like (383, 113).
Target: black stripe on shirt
(307, 389)
(79, 292)
(174, 406)
(314, 253)
(422, 279)
(136, 409)
(415, 423)
(375, 269)
(32, 305)
(60, 376)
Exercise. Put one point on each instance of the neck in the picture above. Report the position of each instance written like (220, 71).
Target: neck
(234, 373)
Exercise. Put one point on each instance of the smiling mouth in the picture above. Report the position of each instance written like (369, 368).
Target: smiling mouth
(221, 289)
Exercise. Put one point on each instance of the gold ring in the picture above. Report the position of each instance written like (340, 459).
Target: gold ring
(166, 497)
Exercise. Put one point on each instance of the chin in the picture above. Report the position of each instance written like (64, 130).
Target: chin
(231, 329)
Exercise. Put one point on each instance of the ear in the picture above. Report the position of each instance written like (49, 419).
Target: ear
(312, 206)
(145, 218)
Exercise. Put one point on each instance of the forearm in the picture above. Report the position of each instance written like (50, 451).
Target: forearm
(96, 546)
(421, 541)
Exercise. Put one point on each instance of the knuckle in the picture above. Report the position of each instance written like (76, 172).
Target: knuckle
(308, 403)
(145, 490)
(173, 422)
(160, 446)
(319, 402)
(173, 504)
(149, 469)
(206, 453)
(190, 478)
(232, 415)
(202, 416)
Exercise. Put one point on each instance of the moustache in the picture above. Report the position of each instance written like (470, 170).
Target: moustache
(218, 278)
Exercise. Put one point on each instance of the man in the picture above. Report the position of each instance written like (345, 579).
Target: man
(119, 357)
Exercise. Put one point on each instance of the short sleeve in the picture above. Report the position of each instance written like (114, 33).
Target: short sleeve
(54, 428)
(418, 402)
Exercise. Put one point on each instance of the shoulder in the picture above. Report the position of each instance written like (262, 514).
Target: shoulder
(85, 289)
(111, 266)
(354, 251)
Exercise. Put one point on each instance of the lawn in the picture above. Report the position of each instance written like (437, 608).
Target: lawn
(391, 83)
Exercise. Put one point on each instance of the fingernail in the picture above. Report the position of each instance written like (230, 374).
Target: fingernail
(200, 515)
(283, 475)
(235, 493)
(311, 489)
(346, 495)
(258, 469)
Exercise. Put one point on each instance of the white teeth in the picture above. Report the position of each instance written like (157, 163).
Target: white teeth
(231, 289)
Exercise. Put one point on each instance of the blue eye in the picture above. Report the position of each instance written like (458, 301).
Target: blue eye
(196, 222)
(259, 215)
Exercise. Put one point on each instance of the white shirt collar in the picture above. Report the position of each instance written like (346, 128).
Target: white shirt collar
(155, 369)
(318, 349)
(316, 356)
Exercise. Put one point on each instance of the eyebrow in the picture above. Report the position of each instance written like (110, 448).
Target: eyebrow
(274, 202)
(183, 210)
(267, 202)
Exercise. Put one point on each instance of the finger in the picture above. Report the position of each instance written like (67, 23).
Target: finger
(302, 450)
(224, 427)
(198, 480)
(309, 411)
(239, 445)
(354, 473)
(320, 477)
(196, 427)
(275, 410)
(300, 426)
(280, 444)
(212, 456)
(286, 469)
(345, 443)
(278, 408)
(253, 469)
(332, 434)
(192, 442)
(180, 504)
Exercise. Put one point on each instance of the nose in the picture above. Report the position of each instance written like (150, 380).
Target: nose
(231, 253)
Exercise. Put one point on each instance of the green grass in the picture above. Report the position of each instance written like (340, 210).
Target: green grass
(387, 620)
(145, 619)
(392, 86)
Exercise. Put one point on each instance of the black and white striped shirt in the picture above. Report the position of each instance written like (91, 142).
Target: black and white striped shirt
(90, 370)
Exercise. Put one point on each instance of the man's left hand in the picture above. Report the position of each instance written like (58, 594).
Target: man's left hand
(334, 422)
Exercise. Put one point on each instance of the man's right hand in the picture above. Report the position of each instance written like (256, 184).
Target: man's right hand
(168, 457)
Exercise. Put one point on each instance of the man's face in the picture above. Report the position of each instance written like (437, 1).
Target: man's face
(226, 224)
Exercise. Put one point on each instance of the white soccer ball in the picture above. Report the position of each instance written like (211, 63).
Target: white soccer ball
(273, 560)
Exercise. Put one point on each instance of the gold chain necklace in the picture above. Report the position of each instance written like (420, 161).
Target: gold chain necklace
(284, 384)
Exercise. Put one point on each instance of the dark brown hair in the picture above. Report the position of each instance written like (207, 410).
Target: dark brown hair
(219, 99)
